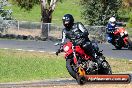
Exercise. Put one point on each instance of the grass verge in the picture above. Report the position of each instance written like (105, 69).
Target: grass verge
(22, 66)
(18, 66)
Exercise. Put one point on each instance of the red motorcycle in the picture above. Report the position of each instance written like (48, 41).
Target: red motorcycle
(79, 64)
(121, 39)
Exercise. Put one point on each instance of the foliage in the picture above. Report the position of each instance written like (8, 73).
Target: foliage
(5, 15)
(126, 3)
(130, 21)
(124, 14)
(97, 12)
(26, 4)
(47, 7)
(29, 4)
(68, 6)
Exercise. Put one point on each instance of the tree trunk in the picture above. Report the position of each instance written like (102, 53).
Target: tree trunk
(46, 20)
(46, 13)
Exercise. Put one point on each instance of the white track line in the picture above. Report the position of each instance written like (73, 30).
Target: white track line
(25, 50)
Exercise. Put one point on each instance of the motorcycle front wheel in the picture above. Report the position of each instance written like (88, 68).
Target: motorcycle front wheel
(71, 68)
(118, 47)
(118, 43)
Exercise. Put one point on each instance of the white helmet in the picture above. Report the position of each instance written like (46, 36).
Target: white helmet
(112, 19)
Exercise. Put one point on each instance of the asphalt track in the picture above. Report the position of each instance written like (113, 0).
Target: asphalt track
(48, 46)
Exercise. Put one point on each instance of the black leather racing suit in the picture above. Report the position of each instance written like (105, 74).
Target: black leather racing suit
(78, 34)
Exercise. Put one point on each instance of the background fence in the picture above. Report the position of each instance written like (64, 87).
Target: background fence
(34, 30)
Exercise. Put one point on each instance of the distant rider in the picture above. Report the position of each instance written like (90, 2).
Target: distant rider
(111, 27)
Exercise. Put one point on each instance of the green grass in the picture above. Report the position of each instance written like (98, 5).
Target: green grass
(67, 6)
(119, 65)
(129, 31)
(22, 15)
(18, 66)
(21, 66)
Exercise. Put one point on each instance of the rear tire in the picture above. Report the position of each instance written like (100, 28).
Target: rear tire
(105, 68)
(70, 68)
(129, 44)
(81, 80)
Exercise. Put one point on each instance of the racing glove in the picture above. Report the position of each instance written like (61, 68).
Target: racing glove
(59, 50)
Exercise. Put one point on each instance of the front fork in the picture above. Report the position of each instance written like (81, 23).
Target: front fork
(80, 69)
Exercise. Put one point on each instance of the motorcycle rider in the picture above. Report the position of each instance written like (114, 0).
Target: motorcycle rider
(75, 32)
(111, 27)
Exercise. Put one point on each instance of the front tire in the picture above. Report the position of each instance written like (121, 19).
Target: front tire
(118, 47)
(118, 43)
(70, 67)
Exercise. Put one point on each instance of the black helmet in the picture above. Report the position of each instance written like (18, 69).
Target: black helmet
(68, 20)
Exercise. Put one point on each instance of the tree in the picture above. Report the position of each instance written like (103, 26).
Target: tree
(47, 8)
(97, 12)
(5, 15)
(125, 10)
(127, 3)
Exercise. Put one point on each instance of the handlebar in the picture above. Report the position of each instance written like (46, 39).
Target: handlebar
(110, 32)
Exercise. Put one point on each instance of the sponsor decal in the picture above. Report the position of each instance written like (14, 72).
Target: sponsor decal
(122, 78)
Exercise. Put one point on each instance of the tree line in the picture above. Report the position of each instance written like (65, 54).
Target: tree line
(95, 12)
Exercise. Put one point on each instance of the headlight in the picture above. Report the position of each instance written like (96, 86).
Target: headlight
(66, 48)
(122, 34)
(125, 33)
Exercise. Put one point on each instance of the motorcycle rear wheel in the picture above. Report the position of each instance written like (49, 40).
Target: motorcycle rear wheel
(105, 68)
(81, 80)
(129, 44)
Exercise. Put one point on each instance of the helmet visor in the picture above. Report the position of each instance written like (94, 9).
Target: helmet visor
(112, 23)
(66, 22)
